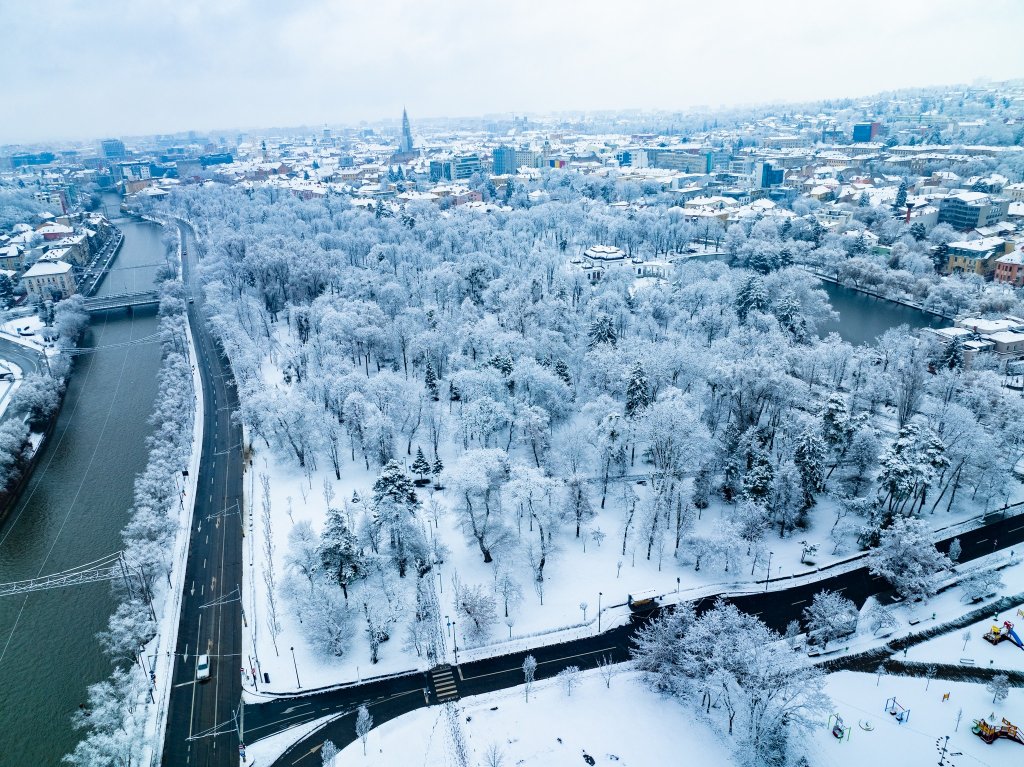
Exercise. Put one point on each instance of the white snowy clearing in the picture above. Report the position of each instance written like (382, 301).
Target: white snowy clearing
(626, 725)
(975, 649)
(860, 699)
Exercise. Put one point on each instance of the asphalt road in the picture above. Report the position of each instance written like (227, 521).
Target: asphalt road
(388, 698)
(213, 569)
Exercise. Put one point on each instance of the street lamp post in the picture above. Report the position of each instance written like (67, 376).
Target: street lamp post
(296, 668)
(768, 573)
(599, 594)
(455, 643)
(252, 668)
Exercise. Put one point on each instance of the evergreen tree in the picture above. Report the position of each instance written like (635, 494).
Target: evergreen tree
(952, 356)
(917, 231)
(809, 458)
(788, 312)
(859, 245)
(757, 482)
(339, 550)
(602, 331)
(835, 421)
(940, 256)
(436, 470)
(702, 487)
(638, 392)
(751, 296)
(817, 232)
(393, 504)
(6, 292)
(864, 201)
(901, 196)
(430, 379)
(420, 465)
(562, 371)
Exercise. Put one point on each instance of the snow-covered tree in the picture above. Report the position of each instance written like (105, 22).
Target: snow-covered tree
(339, 551)
(906, 557)
(477, 610)
(303, 554)
(999, 686)
(568, 678)
(830, 615)
(393, 509)
(420, 465)
(809, 458)
(638, 392)
(981, 584)
(529, 671)
(477, 479)
(364, 723)
(327, 753)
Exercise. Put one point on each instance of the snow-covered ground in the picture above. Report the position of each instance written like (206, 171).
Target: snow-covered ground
(952, 647)
(626, 725)
(876, 738)
(8, 387)
(574, 575)
(24, 331)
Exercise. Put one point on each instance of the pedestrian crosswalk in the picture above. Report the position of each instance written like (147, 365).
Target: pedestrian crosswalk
(444, 683)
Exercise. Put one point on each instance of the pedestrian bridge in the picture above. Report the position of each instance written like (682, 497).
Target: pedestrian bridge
(122, 301)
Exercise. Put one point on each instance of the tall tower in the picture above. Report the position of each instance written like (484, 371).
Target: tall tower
(405, 145)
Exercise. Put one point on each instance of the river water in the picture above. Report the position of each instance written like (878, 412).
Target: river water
(862, 318)
(70, 513)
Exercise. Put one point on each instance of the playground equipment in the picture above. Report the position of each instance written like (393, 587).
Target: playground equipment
(893, 707)
(996, 634)
(840, 730)
(990, 733)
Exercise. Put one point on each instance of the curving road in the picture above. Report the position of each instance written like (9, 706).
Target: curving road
(388, 698)
(200, 717)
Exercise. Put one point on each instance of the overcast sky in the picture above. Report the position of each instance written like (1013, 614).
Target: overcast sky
(92, 69)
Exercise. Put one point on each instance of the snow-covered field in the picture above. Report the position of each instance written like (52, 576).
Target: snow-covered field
(25, 331)
(954, 646)
(877, 739)
(626, 725)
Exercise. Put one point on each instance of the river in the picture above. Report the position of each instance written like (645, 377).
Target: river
(71, 512)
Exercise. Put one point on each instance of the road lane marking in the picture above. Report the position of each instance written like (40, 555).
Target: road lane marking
(539, 663)
(192, 713)
(799, 602)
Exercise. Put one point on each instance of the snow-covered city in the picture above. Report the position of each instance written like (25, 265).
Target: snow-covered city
(526, 396)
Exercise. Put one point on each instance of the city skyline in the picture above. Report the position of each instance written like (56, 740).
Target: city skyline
(258, 65)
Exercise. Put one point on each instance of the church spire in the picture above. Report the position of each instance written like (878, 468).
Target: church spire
(405, 145)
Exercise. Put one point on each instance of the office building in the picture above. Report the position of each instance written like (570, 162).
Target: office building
(866, 132)
(112, 148)
(970, 210)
